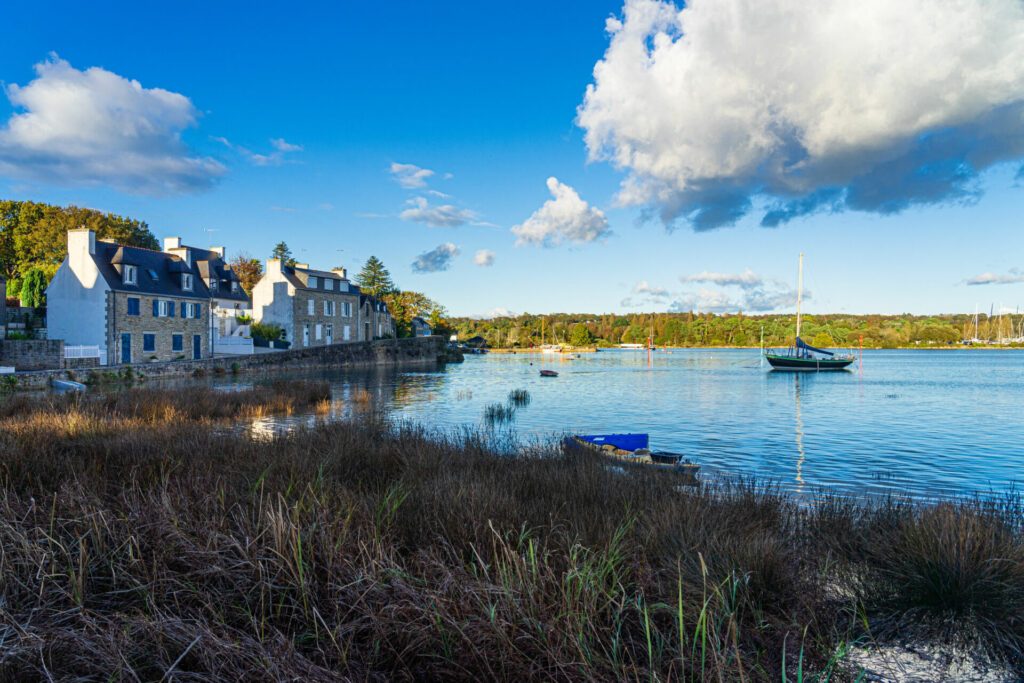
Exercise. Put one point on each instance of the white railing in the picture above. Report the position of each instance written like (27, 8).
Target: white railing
(81, 352)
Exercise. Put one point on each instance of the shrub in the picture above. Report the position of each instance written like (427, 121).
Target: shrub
(266, 331)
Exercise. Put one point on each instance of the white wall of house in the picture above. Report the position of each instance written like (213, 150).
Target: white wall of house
(272, 300)
(76, 299)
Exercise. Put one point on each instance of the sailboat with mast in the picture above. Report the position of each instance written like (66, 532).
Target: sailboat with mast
(802, 356)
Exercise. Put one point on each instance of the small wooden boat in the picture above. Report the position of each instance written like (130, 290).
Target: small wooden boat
(548, 373)
(633, 449)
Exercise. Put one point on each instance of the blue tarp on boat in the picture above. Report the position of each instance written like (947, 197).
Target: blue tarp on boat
(627, 442)
(801, 344)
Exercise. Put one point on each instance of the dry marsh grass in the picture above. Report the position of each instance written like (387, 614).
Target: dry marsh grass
(366, 551)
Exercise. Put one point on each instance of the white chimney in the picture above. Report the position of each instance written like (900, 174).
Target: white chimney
(273, 266)
(340, 272)
(172, 243)
(81, 241)
(219, 251)
(304, 266)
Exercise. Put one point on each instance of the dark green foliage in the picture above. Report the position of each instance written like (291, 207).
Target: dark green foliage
(282, 252)
(33, 288)
(374, 279)
(34, 235)
(267, 331)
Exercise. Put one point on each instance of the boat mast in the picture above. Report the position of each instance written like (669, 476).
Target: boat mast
(799, 292)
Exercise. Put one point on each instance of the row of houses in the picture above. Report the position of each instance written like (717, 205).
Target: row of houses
(137, 305)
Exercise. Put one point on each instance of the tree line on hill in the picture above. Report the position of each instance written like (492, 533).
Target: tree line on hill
(709, 330)
(33, 244)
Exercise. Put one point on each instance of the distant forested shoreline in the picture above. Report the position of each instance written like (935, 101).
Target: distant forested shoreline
(740, 330)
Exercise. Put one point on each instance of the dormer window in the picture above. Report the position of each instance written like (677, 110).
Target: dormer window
(234, 286)
(186, 282)
(329, 284)
(130, 276)
(213, 284)
(312, 282)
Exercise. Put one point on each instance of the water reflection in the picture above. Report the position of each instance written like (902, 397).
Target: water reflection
(886, 431)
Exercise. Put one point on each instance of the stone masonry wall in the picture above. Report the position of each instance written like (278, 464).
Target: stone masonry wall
(32, 354)
(423, 351)
(163, 328)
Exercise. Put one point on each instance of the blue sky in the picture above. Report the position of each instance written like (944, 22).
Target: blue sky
(486, 97)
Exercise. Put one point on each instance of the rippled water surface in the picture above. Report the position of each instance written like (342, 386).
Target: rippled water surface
(929, 422)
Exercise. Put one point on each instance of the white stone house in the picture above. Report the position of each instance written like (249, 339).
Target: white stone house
(133, 304)
(313, 307)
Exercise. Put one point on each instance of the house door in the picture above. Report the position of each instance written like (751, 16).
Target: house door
(305, 335)
(366, 335)
(197, 347)
(330, 334)
(126, 347)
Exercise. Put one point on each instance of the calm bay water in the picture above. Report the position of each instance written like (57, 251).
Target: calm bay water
(925, 422)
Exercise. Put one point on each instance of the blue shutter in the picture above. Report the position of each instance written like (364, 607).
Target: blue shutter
(170, 309)
(156, 308)
(199, 310)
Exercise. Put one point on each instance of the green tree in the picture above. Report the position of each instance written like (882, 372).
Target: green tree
(374, 279)
(33, 288)
(282, 252)
(35, 235)
(580, 335)
(404, 306)
(248, 269)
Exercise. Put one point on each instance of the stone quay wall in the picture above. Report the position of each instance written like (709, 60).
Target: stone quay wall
(418, 351)
(32, 354)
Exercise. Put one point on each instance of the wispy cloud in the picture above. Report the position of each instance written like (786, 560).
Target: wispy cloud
(748, 279)
(274, 158)
(410, 176)
(1011, 278)
(437, 259)
(94, 127)
(439, 215)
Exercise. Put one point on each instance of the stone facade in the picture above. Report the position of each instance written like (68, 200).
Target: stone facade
(3, 308)
(163, 329)
(32, 354)
(321, 327)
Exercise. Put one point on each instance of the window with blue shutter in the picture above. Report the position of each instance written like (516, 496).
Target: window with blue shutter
(170, 309)
(133, 306)
(149, 342)
(198, 310)
(177, 342)
(156, 308)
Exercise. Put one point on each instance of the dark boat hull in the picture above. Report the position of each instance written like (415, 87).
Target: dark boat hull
(794, 363)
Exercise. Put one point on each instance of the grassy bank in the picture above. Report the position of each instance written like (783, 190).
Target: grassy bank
(357, 549)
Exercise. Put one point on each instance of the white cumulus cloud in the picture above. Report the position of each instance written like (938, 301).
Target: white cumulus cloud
(484, 257)
(94, 127)
(437, 215)
(873, 105)
(410, 176)
(564, 218)
(436, 260)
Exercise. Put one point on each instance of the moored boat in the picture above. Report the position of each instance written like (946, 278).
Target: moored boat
(634, 449)
(548, 373)
(802, 356)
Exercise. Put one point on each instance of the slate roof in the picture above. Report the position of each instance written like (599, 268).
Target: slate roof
(292, 273)
(210, 264)
(111, 258)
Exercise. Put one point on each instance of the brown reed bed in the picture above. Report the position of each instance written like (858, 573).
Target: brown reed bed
(364, 551)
